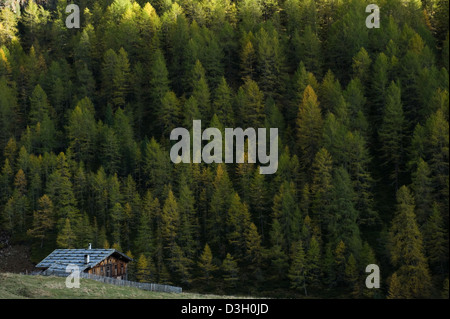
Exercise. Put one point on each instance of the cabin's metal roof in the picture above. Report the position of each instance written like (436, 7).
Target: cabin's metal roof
(60, 258)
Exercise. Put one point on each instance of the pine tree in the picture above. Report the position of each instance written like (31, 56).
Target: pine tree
(159, 84)
(144, 241)
(445, 289)
(287, 212)
(200, 90)
(422, 187)
(82, 131)
(309, 126)
(117, 218)
(170, 221)
(437, 129)
(39, 106)
(35, 18)
(380, 82)
(321, 185)
(169, 113)
(361, 65)
(254, 253)
(238, 220)
(248, 59)
(8, 28)
(277, 253)
(435, 240)
(60, 191)
(84, 232)
(181, 264)
(223, 104)
(297, 270)
(219, 205)
(16, 211)
(341, 215)
(66, 237)
(189, 233)
(313, 272)
(406, 248)
(258, 198)
(395, 288)
(143, 271)
(157, 171)
(120, 79)
(190, 112)
(391, 133)
(250, 100)
(339, 263)
(269, 62)
(330, 93)
(6, 178)
(230, 271)
(307, 48)
(125, 138)
(43, 220)
(206, 265)
(351, 275)
(250, 13)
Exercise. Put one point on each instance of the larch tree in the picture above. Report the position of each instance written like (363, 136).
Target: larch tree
(43, 220)
(297, 269)
(406, 248)
(391, 133)
(309, 126)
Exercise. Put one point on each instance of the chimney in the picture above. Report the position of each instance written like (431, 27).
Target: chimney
(86, 259)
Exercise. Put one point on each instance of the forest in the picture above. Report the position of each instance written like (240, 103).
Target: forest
(363, 122)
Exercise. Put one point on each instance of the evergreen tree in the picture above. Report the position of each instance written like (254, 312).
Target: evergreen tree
(277, 254)
(143, 269)
(422, 187)
(169, 113)
(286, 211)
(219, 205)
(321, 185)
(395, 288)
(250, 100)
(351, 275)
(223, 104)
(43, 219)
(391, 133)
(309, 126)
(200, 90)
(238, 220)
(170, 221)
(313, 272)
(230, 271)
(341, 214)
(297, 269)
(82, 131)
(435, 240)
(406, 248)
(206, 265)
(66, 237)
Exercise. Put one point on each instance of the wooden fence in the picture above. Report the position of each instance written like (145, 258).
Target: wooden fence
(117, 282)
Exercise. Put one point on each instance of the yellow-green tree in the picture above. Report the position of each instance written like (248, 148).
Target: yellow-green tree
(406, 248)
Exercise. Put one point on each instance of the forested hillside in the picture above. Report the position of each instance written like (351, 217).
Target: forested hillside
(362, 114)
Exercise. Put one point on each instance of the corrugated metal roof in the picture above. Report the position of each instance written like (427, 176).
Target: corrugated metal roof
(60, 258)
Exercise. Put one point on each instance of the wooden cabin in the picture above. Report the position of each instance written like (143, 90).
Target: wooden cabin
(100, 262)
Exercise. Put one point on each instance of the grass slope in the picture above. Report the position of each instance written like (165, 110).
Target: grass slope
(15, 286)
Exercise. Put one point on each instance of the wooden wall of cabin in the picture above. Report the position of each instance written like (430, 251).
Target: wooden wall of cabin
(110, 267)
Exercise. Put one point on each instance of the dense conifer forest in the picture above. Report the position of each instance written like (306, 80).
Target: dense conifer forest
(363, 172)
